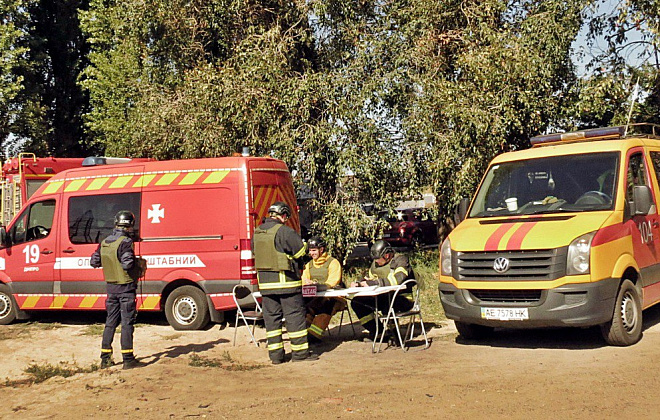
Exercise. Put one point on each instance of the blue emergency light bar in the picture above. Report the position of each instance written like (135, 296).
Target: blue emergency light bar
(606, 133)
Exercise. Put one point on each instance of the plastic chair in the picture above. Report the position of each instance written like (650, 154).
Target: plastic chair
(394, 317)
(241, 292)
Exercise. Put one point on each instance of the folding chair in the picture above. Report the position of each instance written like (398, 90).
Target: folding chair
(241, 292)
(393, 317)
(344, 308)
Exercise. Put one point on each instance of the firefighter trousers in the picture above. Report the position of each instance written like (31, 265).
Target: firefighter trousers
(121, 308)
(320, 312)
(291, 307)
(364, 308)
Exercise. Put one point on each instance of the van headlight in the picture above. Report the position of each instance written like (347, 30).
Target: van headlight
(445, 258)
(579, 253)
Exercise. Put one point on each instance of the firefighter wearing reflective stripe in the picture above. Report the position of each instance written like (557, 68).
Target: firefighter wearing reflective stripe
(325, 272)
(117, 257)
(277, 249)
(387, 269)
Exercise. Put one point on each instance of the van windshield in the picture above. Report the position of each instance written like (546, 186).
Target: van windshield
(555, 184)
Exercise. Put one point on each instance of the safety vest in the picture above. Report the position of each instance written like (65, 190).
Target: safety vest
(266, 256)
(380, 272)
(113, 272)
(320, 273)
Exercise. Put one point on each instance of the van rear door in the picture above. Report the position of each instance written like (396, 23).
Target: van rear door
(270, 183)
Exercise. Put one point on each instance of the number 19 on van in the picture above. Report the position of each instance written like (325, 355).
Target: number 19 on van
(31, 254)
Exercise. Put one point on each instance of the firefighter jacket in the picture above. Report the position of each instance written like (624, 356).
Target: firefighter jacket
(326, 270)
(393, 273)
(117, 257)
(277, 249)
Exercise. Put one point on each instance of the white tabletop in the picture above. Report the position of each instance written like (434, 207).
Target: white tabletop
(350, 292)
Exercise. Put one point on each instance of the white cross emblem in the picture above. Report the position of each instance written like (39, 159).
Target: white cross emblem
(155, 213)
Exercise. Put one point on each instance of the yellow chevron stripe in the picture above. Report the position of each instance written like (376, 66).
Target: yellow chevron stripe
(88, 302)
(31, 301)
(166, 179)
(97, 184)
(74, 185)
(190, 178)
(150, 302)
(121, 181)
(215, 177)
(53, 187)
(143, 181)
(58, 302)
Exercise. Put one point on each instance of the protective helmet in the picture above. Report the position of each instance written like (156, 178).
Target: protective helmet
(280, 208)
(380, 248)
(316, 242)
(125, 219)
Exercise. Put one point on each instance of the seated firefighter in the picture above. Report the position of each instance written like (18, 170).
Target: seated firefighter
(387, 269)
(325, 272)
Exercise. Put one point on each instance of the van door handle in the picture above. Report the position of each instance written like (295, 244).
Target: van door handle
(69, 250)
(46, 251)
(655, 224)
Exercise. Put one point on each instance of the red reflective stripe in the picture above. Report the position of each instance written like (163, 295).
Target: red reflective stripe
(611, 233)
(494, 240)
(516, 239)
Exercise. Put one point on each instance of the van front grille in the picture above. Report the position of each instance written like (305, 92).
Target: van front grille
(541, 265)
(507, 296)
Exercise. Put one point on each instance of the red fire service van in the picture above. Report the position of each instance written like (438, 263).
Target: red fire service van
(194, 224)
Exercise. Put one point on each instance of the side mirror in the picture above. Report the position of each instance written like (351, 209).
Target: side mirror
(642, 200)
(463, 208)
(4, 238)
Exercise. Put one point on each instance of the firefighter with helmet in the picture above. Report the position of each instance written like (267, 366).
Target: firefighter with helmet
(325, 272)
(117, 257)
(387, 269)
(277, 250)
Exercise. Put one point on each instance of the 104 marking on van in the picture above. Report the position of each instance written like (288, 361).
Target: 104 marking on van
(153, 261)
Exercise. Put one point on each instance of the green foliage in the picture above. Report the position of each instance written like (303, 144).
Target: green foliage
(39, 373)
(227, 362)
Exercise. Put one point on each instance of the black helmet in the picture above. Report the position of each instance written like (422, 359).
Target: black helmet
(380, 248)
(280, 208)
(316, 242)
(125, 219)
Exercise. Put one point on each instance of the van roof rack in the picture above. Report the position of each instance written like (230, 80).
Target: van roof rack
(646, 130)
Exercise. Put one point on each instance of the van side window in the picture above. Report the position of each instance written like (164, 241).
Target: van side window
(655, 159)
(92, 217)
(34, 223)
(636, 174)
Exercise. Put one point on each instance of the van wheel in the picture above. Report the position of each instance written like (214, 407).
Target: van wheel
(625, 328)
(186, 308)
(7, 306)
(473, 331)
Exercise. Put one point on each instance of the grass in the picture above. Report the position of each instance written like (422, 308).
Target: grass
(38, 373)
(24, 330)
(94, 330)
(425, 266)
(226, 362)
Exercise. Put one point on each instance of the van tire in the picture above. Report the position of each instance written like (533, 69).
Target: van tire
(7, 305)
(625, 328)
(473, 331)
(186, 308)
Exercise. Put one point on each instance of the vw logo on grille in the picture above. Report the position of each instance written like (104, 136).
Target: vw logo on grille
(501, 264)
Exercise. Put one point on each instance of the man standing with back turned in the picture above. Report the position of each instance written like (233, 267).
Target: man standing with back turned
(276, 250)
(117, 257)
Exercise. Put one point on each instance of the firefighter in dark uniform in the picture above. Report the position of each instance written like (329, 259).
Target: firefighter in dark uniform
(276, 250)
(387, 269)
(117, 257)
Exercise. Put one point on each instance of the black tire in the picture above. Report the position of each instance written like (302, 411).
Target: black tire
(473, 331)
(625, 328)
(186, 308)
(7, 306)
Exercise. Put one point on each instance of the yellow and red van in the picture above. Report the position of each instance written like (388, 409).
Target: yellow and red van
(566, 233)
(194, 223)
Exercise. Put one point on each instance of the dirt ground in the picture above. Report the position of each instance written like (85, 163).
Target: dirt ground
(561, 373)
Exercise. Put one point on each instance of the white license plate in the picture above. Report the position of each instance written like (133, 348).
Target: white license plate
(505, 314)
(387, 235)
